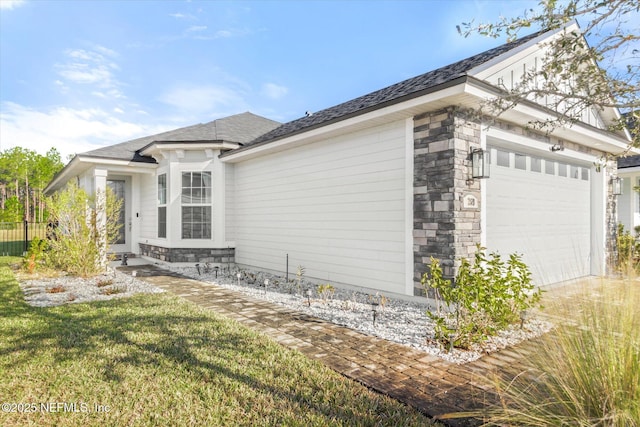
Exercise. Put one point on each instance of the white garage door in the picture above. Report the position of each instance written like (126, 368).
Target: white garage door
(540, 207)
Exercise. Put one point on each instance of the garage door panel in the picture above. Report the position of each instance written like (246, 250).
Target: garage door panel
(542, 216)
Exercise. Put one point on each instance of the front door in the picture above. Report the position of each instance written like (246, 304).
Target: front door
(119, 186)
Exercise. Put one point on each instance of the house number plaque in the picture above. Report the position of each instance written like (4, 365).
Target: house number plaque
(469, 201)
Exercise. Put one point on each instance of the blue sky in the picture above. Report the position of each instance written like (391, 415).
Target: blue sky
(77, 75)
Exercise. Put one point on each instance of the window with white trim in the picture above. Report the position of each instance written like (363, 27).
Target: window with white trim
(196, 205)
(549, 167)
(562, 169)
(162, 205)
(502, 158)
(536, 164)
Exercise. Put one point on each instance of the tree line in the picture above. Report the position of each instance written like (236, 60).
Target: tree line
(24, 174)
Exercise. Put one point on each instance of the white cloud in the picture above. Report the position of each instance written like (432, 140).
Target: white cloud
(93, 67)
(69, 130)
(204, 99)
(274, 91)
(196, 28)
(223, 34)
(84, 74)
(11, 4)
(179, 15)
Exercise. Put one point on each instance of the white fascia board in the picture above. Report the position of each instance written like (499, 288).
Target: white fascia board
(514, 55)
(116, 165)
(71, 169)
(81, 163)
(158, 147)
(520, 52)
(541, 147)
(629, 171)
(399, 110)
(580, 133)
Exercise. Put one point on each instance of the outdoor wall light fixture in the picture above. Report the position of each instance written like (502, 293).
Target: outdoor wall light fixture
(479, 163)
(617, 186)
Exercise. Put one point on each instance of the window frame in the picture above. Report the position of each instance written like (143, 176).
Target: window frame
(196, 201)
(162, 196)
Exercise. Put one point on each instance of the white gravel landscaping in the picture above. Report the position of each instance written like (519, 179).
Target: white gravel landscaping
(397, 320)
(48, 292)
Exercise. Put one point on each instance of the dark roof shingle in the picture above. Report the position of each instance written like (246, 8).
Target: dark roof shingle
(391, 94)
(240, 128)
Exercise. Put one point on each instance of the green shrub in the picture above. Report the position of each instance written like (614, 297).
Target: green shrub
(79, 243)
(487, 295)
(628, 251)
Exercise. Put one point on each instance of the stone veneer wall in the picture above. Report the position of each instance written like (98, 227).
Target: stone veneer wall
(217, 255)
(446, 202)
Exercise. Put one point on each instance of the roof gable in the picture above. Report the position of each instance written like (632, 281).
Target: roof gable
(508, 74)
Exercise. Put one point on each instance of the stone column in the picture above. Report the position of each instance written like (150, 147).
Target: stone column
(446, 201)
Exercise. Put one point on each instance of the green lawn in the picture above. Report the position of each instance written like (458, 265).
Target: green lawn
(159, 360)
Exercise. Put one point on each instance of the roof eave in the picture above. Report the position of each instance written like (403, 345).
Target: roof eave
(155, 147)
(445, 89)
(629, 170)
(81, 163)
(527, 111)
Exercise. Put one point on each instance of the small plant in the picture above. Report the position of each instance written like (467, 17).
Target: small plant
(487, 296)
(104, 282)
(30, 262)
(382, 300)
(34, 256)
(112, 291)
(250, 278)
(351, 303)
(299, 276)
(326, 292)
(55, 289)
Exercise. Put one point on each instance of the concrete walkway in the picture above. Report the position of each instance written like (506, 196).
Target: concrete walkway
(425, 382)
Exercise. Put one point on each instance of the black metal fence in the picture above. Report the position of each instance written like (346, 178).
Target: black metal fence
(16, 236)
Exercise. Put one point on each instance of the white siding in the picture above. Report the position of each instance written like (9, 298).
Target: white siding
(229, 205)
(625, 202)
(336, 207)
(148, 208)
(508, 75)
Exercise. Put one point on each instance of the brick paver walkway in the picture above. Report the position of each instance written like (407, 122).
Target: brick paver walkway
(425, 382)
